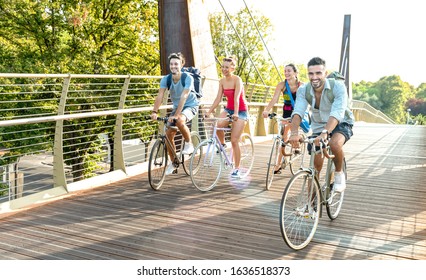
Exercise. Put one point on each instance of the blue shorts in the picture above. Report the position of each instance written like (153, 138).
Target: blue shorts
(241, 114)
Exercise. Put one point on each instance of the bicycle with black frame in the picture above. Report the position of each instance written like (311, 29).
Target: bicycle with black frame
(160, 152)
(294, 158)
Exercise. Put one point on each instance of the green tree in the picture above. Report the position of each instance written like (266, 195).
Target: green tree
(226, 42)
(106, 37)
(394, 93)
(74, 36)
(420, 119)
(421, 91)
(366, 91)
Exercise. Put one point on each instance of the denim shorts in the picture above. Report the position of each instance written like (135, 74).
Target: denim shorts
(188, 112)
(343, 128)
(241, 114)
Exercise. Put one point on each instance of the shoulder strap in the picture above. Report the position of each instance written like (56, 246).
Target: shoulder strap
(308, 96)
(289, 93)
(182, 79)
(330, 92)
(169, 81)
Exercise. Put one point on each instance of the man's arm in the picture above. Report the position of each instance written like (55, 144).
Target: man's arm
(182, 101)
(278, 89)
(300, 106)
(157, 103)
(338, 107)
(340, 102)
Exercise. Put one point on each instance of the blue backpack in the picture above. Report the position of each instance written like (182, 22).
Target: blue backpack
(196, 75)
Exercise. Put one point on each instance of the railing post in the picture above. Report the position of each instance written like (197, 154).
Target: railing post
(118, 130)
(265, 97)
(59, 178)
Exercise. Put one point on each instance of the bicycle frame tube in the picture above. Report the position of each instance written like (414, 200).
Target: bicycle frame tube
(169, 148)
(216, 140)
(315, 173)
(222, 150)
(171, 152)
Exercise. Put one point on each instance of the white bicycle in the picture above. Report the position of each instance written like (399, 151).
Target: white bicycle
(210, 158)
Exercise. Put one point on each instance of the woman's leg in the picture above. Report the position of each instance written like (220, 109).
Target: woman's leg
(220, 133)
(236, 131)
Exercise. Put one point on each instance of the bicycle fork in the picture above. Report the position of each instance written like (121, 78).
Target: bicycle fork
(311, 199)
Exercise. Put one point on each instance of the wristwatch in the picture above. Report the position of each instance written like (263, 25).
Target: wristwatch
(324, 131)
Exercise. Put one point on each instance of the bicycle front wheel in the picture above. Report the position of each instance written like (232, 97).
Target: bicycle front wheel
(186, 159)
(296, 159)
(273, 162)
(299, 210)
(205, 165)
(334, 199)
(247, 154)
(157, 164)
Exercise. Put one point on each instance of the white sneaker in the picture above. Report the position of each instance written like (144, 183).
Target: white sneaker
(188, 149)
(170, 168)
(236, 173)
(339, 182)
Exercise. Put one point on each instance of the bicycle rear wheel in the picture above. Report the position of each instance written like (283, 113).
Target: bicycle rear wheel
(205, 165)
(186, 159)
(157, 164)
(273, 162)
(334, 199)
(299, 210)
(296, 159)
(247, 154)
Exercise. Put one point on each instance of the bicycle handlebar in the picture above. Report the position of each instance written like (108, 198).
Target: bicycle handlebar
(322, 147)
(274, 116)
(227, 118)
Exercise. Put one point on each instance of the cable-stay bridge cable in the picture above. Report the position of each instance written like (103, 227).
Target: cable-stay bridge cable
(241, 41)
(263, 41)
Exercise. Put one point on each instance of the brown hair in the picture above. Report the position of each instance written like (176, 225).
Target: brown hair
(177, 56)
(294, 69)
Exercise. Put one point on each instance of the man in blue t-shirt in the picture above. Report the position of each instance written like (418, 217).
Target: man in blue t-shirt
(185, 105)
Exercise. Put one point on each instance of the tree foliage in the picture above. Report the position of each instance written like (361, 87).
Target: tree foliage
(101, 37)
(421, 91)
(73, 36)
(250, 51)
(392, 96)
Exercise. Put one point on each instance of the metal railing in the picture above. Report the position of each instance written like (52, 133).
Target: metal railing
(365, 112)
(63, 132)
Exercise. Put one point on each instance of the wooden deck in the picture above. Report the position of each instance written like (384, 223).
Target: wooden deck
(383, 215)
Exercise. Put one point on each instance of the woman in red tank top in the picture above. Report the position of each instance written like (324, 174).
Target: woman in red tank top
(231, 86)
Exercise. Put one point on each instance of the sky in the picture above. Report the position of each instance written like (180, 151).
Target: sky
(387, 37)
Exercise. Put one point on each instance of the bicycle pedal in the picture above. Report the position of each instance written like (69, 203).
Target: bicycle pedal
(175, 171)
